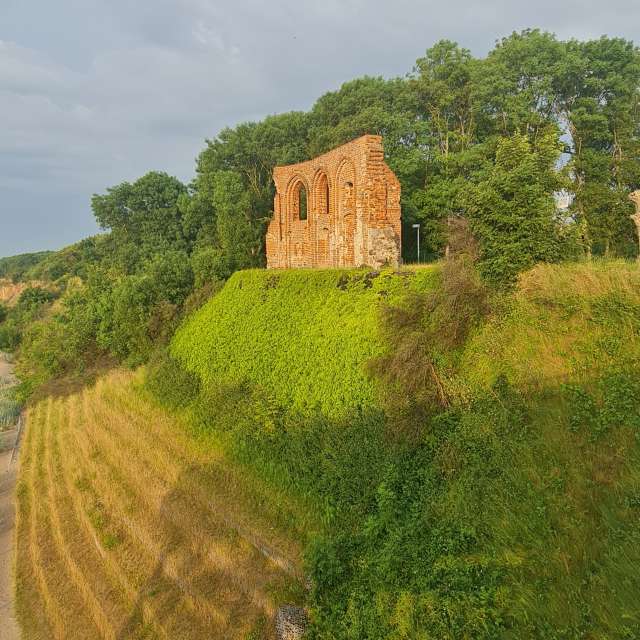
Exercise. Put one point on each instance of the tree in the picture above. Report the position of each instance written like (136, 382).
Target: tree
(240, 234)
(512, 209)
(249, 152)
(599, 97)
(144, 217)
(443, 84)
(516, 87)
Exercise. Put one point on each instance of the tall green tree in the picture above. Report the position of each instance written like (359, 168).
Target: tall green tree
(512, 210)
(600, 102)
(143, 216)
(516, 87)
(249, 151)
(443, 85)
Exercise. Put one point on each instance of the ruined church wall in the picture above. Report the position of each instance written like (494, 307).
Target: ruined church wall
(353, 210)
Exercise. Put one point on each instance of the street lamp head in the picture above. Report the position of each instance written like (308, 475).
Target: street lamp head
(416, 226)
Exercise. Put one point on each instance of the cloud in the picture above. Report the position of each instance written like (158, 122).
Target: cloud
(93, 92)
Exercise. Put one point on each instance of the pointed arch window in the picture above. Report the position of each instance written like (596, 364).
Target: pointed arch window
(302, 202)
(322, 194)
(298, 201)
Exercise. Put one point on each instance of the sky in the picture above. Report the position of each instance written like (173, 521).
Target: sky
(95, 92)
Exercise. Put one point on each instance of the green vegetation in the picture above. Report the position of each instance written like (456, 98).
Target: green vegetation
(128, 529)
(510, 508)
(455, 446)
(9, 406)
(30, 307)
(19, 268)
(491, 140)
(303, 342)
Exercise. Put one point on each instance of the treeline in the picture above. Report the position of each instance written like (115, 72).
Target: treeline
(17, 268)
(493, 140)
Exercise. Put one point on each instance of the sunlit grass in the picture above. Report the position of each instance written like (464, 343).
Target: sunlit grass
(129, 529)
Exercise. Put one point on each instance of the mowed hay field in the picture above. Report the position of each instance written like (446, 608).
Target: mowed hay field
(129, 528)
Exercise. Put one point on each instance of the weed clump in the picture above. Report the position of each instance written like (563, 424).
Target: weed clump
(422, 333)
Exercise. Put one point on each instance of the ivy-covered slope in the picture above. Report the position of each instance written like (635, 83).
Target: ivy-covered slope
(302, 335)
(513, 513)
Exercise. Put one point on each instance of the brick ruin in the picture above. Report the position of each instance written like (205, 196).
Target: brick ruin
(341, 209)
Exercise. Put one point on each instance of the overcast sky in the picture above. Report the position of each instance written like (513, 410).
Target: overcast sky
(94, 92)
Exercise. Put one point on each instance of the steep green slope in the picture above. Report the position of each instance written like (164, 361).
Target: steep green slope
(15, 268)
(302, 336)
(514, 514)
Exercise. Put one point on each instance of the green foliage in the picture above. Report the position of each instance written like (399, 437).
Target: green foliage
(307, 355)
(210, 265)
(600, 99)
(421, 334)
(32, 299)
(145, 213)
(9, 406)
(17, 268)
(31, 306)
(240, 240)
(72, 261)
(512, 211)
(169, 382)
(511, 512)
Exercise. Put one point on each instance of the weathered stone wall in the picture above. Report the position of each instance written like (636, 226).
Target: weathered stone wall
(352, 210)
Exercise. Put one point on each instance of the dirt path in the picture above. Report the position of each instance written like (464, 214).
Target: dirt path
(8, 474)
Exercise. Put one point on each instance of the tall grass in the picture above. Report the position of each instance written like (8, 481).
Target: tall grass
(9, 408)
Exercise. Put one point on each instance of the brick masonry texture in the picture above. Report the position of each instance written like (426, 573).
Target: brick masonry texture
(341, 209)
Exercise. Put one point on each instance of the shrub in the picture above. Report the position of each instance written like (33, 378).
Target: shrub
(422, 332)
(169, 382)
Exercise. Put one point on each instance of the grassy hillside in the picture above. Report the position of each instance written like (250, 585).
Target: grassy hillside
(513, 513)
(301, 336)
(128, 530)
(17, 268)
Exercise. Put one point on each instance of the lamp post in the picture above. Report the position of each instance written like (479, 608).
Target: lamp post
(417, 228)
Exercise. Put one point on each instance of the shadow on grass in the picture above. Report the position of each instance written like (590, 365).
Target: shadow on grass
(225, 606)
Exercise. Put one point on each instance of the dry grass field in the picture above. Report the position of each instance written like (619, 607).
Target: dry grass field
(128, 528)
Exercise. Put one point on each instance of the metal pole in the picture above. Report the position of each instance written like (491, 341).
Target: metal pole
(417, 228)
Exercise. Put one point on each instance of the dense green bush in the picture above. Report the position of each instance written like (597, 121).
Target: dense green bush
(169, 382)
(31, 307)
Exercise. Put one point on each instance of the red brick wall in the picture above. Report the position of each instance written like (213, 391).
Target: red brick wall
(353, 210)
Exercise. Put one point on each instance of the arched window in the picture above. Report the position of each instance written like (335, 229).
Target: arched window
(297, 200)
(302, 202)
(322, 194)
